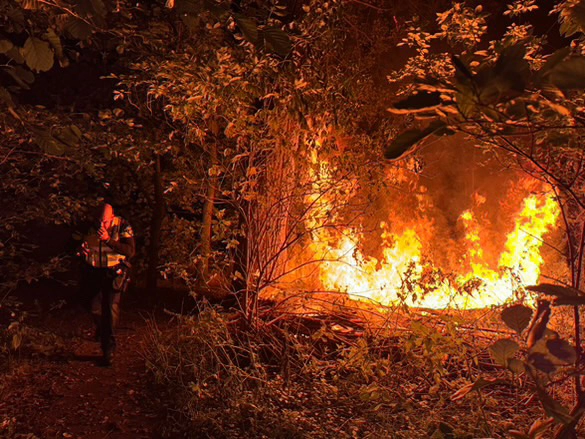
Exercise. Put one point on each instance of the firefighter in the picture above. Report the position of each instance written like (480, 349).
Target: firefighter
(106, 250)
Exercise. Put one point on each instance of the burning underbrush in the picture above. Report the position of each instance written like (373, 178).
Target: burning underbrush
(346, 372)
(447, 238)
(384, 318)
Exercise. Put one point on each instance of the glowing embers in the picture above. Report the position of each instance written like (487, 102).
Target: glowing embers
(404, 275)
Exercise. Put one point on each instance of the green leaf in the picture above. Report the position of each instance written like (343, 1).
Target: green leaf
(443, 431)
(517, 434)
(462, 73)
(15, 54)
(6, 97)
(466, 100)
(477, 385)
(554, 59)
(569, 74)
(503, 350)
(572, 18)
(192, 22)
(552, 407)
(5, 46)
(216, 9)
(277, 41)
(22, 76)
(504, 79)
(541, 362)
(16, 16)
(248, 27)
(538, 427)
(99, 8)
(37, 54)
(511, 68)
(516, 366)
(562, 350)
(91, 9)
(55, 42)
(516, 109)
(16, 340)
(188, 7)
(565, 295)
(517, 317)
(77, 28)
(70, 135)
(416, 103)
(48, 143)
(410, 138)
(538, 328)
(30, 4)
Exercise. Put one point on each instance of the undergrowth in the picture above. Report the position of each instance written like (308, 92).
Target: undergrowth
(300, 377)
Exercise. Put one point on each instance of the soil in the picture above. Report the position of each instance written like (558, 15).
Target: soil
(54, 386)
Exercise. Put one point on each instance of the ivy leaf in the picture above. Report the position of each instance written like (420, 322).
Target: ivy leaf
(517, 317)
(416, 103)
(38, 54)
(410, 138)
(5, 46)
(277, 41)
(503, 350)
(248, 27)
(562, 349)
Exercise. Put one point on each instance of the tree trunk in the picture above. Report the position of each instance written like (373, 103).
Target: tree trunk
(158, 214)
(207, 221)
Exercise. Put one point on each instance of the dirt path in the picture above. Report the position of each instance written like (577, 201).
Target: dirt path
(56, 390)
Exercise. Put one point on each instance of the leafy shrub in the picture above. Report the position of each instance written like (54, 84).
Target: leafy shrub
(303, 376)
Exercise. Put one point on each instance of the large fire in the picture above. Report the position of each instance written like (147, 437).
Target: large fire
(404, 275)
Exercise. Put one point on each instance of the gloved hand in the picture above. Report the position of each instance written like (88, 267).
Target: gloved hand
(103, 234)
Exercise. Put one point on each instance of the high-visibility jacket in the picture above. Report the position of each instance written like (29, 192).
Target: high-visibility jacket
(100, 254)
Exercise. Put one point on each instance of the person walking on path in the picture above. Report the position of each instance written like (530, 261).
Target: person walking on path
(106, 250)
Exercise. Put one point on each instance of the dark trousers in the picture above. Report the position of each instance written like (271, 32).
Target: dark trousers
(98, 284)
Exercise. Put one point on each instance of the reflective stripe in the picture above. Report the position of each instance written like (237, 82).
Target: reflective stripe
(100, 255)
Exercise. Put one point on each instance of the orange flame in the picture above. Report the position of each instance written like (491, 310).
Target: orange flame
(400, 275)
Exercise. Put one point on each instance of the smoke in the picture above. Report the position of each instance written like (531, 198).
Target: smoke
(430, 193)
